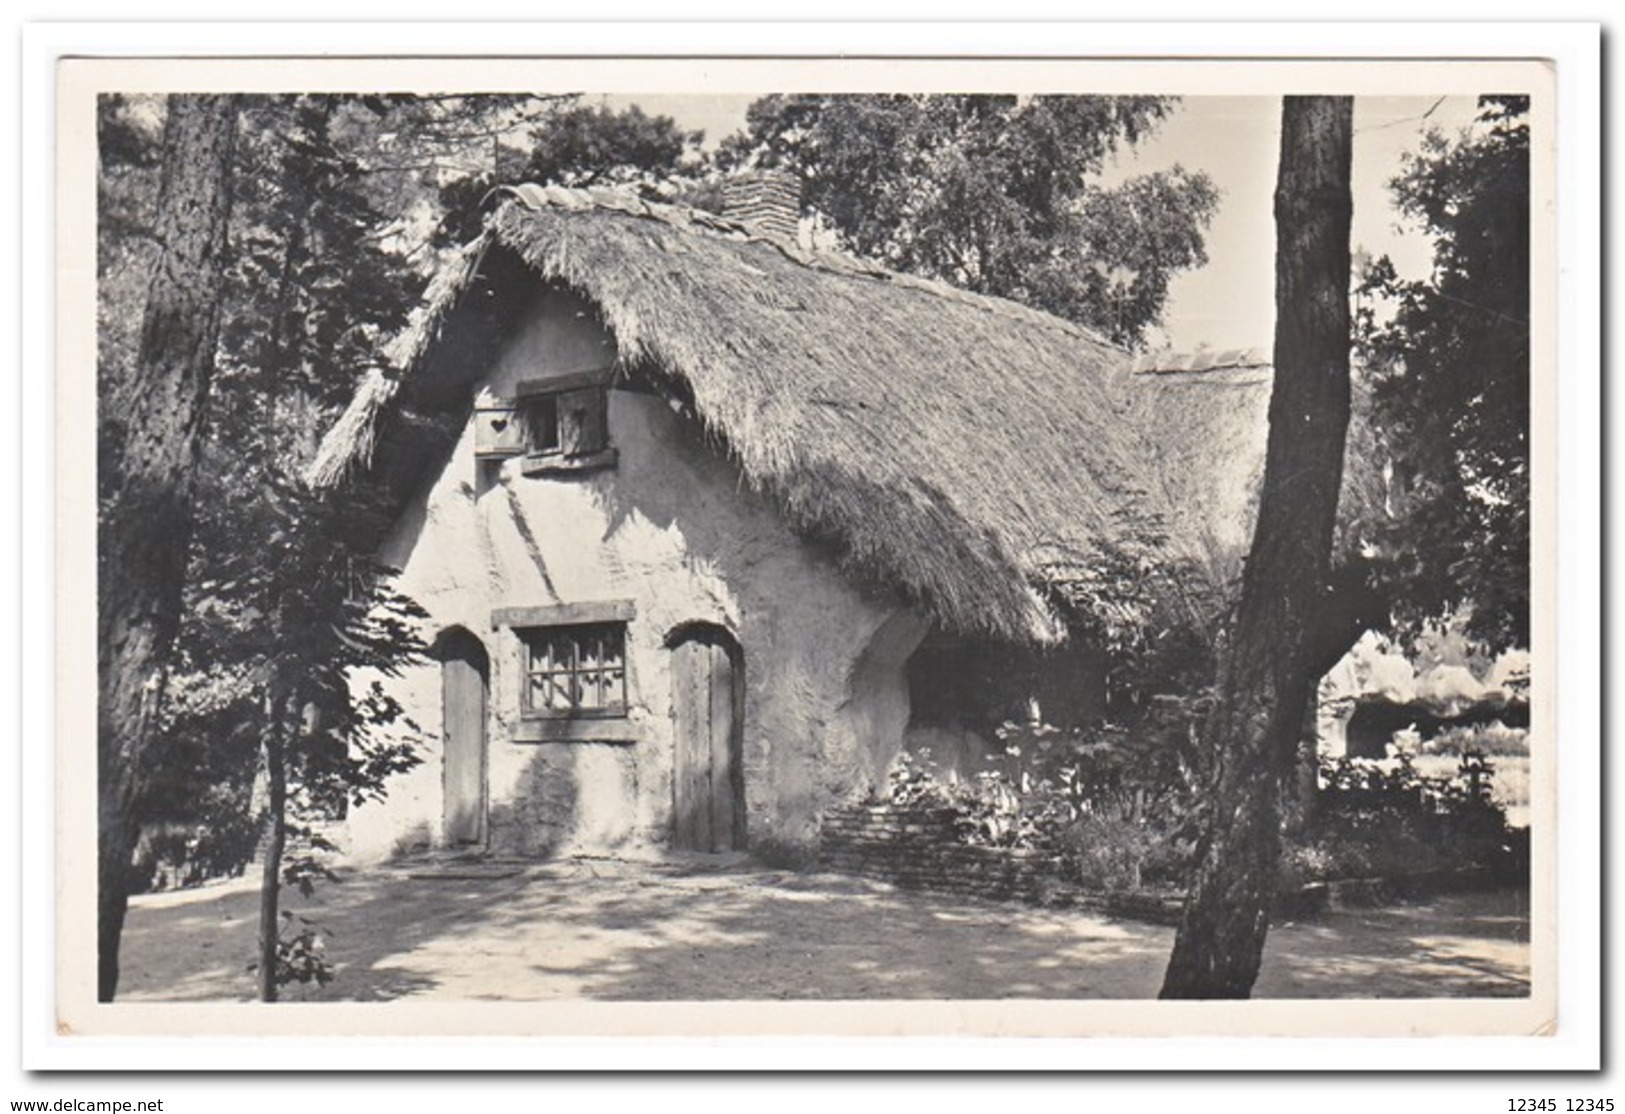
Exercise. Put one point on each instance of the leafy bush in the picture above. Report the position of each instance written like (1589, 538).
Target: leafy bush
(1116, 805)
(1116, 853)
(988, 810)
(1120, 808)
(913, 783)
(1110, 852)
(1385, 817)
(170, 856)
(301, 953)
(1396, 785)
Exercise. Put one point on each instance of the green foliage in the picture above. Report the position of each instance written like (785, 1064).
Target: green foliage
(297, 617)
(1116, 854)
(997, 194)
(301, 953)
(1395, 785)
(912, 782)
(1116, 806)
(587, 145)
(578, 146)
(1156, 616)
(216, 843)
(1122, 809)
(988, 810)
(1386, 818)
(278, 611)
(1449, 361)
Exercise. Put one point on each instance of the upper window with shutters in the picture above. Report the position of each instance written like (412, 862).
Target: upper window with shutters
(558, 425)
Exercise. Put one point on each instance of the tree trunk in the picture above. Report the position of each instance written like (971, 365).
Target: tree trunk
(1269, 669)
(276, 838)
(146, 526)
(1303, 788)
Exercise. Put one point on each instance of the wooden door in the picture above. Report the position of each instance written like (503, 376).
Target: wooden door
(464, 670)
(708, 700)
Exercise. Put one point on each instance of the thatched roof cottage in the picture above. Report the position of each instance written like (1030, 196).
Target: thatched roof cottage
(701, 516)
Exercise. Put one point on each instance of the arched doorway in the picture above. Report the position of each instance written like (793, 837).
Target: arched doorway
(465, 672)
(708, 702)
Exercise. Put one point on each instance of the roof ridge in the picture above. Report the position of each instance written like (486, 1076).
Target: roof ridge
(536, 196)
(1167, 361)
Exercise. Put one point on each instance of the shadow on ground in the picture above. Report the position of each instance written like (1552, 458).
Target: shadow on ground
(1455, 946)
(620, 931)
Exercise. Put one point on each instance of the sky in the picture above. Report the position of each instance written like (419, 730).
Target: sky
(1229, 303)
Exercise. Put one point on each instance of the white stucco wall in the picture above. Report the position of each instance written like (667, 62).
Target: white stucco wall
(672, 529)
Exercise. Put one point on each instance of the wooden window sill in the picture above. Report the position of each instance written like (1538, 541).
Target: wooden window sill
(557, 464)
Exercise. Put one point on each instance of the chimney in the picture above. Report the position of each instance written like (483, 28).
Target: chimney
(768, 202)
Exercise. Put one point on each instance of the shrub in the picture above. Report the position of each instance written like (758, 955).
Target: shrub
(176, 855)
(988, 810)
(1110, 853)
(301, 953)
(1114, 852)
(1387, 818)
(1116, 805)
(912, 782)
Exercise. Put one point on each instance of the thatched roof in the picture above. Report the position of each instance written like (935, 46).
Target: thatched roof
(1204, 419)
(950, 446)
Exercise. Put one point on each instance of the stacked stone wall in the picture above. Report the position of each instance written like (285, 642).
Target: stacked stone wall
(918, 849)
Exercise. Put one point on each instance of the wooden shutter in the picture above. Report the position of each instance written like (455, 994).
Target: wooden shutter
(582, 428)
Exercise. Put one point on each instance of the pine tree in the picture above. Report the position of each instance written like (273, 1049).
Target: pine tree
(147, 517)
(1269, 672)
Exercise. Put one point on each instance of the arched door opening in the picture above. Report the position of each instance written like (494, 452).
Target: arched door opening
(708, 701)
(465, 672)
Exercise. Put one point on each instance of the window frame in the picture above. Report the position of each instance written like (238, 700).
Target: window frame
(539, 416)
(556, 426)
(568, 424)
(577, 636)
(608, 725)
(583, 393)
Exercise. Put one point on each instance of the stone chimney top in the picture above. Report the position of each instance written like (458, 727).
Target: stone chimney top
(767, 202)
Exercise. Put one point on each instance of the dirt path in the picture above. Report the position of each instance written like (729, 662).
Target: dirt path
(614, 930)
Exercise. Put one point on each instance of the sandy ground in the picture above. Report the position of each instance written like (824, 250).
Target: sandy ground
(598, 929)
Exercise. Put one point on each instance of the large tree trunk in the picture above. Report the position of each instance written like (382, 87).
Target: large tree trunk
(1270, 666)
(147, 524)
